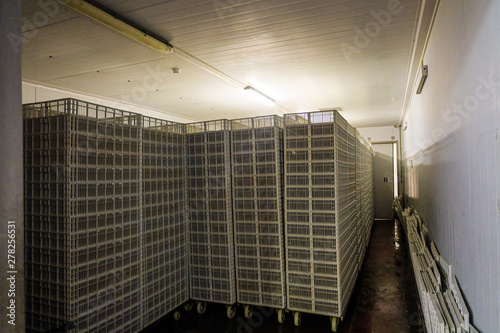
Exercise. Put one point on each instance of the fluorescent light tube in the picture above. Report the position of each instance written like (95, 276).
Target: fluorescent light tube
(118, 25)
(257, 95)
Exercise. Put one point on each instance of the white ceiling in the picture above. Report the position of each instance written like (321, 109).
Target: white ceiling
(289, 50)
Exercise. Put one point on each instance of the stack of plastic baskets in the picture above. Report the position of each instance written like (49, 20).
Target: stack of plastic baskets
(82, 218)
(127, 216)
(212, 274)
(257, 161)
(364, 195)
(320, 213)
(105, 217)
(165, 232)
(368, 192)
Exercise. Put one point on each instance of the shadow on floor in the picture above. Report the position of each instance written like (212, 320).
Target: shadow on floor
(384, 299)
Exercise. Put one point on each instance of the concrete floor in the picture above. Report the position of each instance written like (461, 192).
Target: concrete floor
(384, 299)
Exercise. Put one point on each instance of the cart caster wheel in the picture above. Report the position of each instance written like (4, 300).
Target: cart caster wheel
(188, 306)
(296, 318)
(201, 307)
(177, 315)
(230, 311)
(281, 316)
(335, 323)
(248, 311)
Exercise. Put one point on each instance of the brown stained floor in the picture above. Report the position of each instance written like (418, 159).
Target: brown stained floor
(384, 299)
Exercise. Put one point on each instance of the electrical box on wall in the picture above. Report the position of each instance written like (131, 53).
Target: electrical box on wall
(424, 73)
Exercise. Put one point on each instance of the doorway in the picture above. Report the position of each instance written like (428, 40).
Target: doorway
(384, 178)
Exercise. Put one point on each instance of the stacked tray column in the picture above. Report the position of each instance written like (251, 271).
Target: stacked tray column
(82, 218)
(212, 274)
(257, 161)
(165, 245)
(320, 213)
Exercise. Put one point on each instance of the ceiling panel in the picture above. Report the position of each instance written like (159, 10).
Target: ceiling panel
(289, 50)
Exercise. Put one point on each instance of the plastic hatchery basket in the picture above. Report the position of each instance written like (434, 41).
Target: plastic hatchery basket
(257, 162)
(367, 203)
(105, 222)
(364, 195)
(165, 230)
(82, 218)
(321, 213)
(212, 274)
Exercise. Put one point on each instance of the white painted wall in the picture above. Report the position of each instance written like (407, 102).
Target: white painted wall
(38, 93)
(382, 133)
(452, 150)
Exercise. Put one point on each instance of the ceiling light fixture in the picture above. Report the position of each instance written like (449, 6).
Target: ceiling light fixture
(115, 23)
(257, 95)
